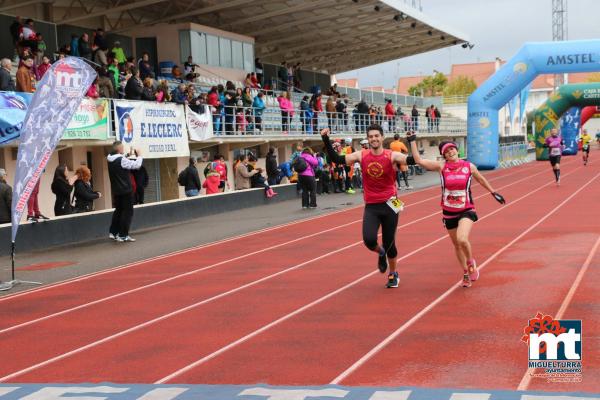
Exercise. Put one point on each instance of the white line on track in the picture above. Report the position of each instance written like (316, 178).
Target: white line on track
(565, 304)
(318, 301)
(250, 284)
(185, 274)
(454, 287)
(217, 242)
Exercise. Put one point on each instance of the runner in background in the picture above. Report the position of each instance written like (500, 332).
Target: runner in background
(585, 145)
(458, 209)
(555, 145)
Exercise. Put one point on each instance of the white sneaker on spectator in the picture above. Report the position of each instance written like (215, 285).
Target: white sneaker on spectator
(128, 239)
(408, 188)
(111, 236)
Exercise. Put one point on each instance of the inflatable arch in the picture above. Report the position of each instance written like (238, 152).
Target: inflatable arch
(570, 125)
(547, 115)
(531, 60)
(587, 113)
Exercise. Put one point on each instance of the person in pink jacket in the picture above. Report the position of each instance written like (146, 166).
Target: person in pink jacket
(306, 177)
(287, 111)
(213, 179)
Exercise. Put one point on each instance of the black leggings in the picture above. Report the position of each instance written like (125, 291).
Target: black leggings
(374, 216)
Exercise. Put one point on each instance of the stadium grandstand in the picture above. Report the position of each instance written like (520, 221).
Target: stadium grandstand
(193, 46)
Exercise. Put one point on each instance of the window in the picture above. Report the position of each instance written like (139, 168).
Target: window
(184, 45)
(248, 57)
(212, 50)
(198, 44)
(225, 53)
(238, 55)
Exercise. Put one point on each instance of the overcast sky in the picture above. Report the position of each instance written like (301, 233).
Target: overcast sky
(498, 28)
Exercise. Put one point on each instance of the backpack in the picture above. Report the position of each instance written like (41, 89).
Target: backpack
(300, 164)
(182, 177)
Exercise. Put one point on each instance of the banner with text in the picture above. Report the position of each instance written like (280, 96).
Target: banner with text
(159, 130)
(13, 108)
(90, 121)
(199, 125)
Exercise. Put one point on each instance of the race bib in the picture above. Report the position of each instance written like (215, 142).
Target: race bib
(455, 198)
(555, 151)
(586, 147)
(395, 204)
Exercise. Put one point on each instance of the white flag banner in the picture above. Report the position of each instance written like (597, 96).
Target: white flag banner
(199, 126)
(157, 129)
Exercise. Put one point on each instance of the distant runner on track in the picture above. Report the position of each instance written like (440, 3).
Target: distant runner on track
(585, 146)
(379, 185)
(457, 203)
(555, 145)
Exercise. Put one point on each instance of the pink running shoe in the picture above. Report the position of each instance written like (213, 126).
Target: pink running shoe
(473, 271)
(466, 282)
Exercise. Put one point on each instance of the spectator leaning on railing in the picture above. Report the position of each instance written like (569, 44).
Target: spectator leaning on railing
(287, 111)
(25, 76)
(258, 106)
(134, 87)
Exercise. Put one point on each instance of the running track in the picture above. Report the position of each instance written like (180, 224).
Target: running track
(303, 304)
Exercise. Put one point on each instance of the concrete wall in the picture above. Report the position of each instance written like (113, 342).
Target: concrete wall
(78, 228)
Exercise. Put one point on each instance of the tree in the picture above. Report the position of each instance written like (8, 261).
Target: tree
(593, 77)
(460, 86)
(430, 86)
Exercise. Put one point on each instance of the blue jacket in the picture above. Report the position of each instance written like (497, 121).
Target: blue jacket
(259, 106)
(286, 169)
(75, 47)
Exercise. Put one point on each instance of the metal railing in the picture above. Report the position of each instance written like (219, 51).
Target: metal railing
(235, 120)
(513, 154)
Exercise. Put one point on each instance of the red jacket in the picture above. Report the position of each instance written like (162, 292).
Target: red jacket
(389, 110)
(213, 99)
(211, 183)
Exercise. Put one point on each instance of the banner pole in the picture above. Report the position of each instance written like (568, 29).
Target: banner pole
(4, 286)
(12, 260)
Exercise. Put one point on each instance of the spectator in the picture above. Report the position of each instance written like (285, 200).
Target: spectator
(84, 195)
(390, 115)
(305, 114)
(430, 118)
(247, 101)
(258, 66)
(196, 103)
(316, 108)
(129, 64)
(148, 90)
(398, 146)
(415, 118)
(92, 92)
(240, 117)
(41, 48)
(438, 115)
(271, 165)
(297, 76)
(221, 168)
(5, 199)
(258, 106)
(287, 111)
(7, 83)
(162, 92)
(177, 74)
(290, 81)
(254, 81)
(29, 36)
(113, 69)
(119, 53)
(282, 75)
(74, 45)
(43, 67)
(306, 178)
(15, 30)
(242, 176)
(106, 88)
(215, 107)
(145, 67)
(230, 107)
(140, 176)
(248, 81)
(100, 39)
(134, 87)
(101, 56)
(62, 186)
(211, 183)
(331, 111)
(179, 94)
(324, 179)
(189, 67)
(25, 76)
(258, 180)
(84, 47)
(119, 172)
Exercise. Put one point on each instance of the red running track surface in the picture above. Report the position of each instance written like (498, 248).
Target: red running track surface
(303, 304)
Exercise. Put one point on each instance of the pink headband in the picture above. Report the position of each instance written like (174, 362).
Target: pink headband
(447, 146)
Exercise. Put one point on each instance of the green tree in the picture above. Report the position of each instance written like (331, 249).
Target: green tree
(433, 85)
(461, 86)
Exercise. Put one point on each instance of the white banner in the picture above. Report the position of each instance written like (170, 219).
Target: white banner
(199, 125)
(157, 129)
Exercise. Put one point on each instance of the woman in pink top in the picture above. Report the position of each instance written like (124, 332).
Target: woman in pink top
(457, 202)
(287, 111)
(306, 177)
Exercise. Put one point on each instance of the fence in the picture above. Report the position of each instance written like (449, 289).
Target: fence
(513, 154)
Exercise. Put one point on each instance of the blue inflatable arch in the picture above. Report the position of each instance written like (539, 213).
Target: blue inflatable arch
(531, 60)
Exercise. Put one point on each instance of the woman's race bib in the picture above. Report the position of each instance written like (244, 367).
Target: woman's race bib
(455, 198)
(395, 204)
(555, 151)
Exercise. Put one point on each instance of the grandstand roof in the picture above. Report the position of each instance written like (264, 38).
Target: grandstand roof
(326, 35)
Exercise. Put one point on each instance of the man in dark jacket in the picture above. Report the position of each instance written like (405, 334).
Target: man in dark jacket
(272, 169)
(191, 179)
(84, 47)
(141, 182)
(363, 115)
(119, 172)
(5, 198)
(134, 87)
(7, 83)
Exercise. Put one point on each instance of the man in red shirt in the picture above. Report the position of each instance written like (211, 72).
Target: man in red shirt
(379, 186)
(390, 115)
(221, 169)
